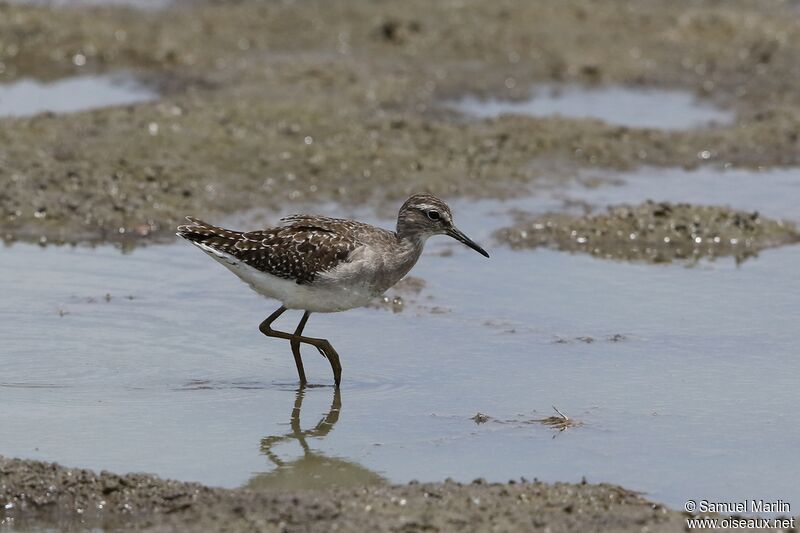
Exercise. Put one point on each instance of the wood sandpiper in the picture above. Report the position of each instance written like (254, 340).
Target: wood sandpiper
(321, 264)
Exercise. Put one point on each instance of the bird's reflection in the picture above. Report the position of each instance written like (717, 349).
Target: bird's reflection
(312, 469)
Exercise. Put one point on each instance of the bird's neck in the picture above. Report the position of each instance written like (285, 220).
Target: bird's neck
(408, 249)
(409, 246)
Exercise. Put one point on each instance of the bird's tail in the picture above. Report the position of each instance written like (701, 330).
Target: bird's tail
(203, 233)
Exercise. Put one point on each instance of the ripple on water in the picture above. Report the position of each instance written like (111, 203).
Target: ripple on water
(207, 384)
(33, 385)
(633, 107)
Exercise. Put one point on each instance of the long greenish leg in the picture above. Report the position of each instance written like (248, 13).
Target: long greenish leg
(324, 347)
(266, 328)
(295, 344)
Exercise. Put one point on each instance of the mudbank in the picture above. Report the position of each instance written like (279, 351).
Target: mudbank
(43, 494)
(264, 104)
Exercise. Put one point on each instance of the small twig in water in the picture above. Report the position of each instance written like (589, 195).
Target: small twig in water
(560, 422)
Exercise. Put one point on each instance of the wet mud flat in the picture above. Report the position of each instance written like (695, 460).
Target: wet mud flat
(264, 103)
(34, 493)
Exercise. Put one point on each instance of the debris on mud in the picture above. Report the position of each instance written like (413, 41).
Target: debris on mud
(410, 286)
(481, 418)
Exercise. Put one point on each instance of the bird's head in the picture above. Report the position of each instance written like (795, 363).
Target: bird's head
(424, 215)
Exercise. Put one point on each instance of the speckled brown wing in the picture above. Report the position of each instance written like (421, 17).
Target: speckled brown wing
(300, 249)
(297, 252)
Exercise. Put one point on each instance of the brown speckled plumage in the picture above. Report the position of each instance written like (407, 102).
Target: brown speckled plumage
(299, 249)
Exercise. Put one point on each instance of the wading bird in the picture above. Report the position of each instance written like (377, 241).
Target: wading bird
(324, 265)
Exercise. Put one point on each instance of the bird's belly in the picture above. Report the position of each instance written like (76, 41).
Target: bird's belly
(326, 295)
(318, 298)
(327, 299)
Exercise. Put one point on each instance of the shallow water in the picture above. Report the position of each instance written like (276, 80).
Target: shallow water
(773, 192)
(79, 93)
(687, 388)
(636, 108)
(138, 4)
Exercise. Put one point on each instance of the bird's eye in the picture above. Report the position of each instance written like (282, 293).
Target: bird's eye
(433, 215)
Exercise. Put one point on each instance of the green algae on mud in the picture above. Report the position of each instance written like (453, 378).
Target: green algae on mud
(37, 494)
(268, 103)
(653, 232)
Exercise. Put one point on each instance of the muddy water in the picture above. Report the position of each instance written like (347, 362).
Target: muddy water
(683, 378)
(638, 108)
(29, 97)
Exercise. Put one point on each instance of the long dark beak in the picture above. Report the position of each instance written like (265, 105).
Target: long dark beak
(457, 235)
